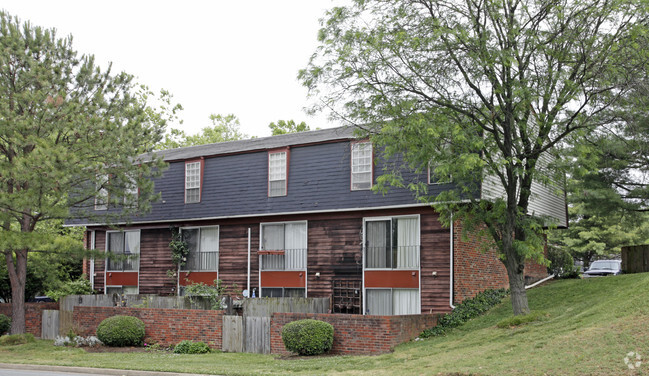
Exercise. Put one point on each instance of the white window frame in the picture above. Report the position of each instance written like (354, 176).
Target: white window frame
(281, 175)
(390, 218)
(139, 248)
(101, 198)
(121, 287)
(392, 289)
(198, 244)
(193, 180)
(306, 255)
(359, 170)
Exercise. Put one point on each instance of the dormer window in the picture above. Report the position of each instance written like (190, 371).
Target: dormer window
(277, 168)
(361, 166)
(193, 174)
(101, 198)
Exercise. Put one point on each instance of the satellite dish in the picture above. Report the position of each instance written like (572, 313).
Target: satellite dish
(245, 293)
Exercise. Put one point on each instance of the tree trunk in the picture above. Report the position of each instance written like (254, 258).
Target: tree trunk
(17, 277)
(516, 274)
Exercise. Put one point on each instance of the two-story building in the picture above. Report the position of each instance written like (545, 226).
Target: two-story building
(294, 215)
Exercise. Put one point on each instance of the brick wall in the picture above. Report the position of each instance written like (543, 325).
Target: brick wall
(355, 334)
(33, 315)
(475, 270)
(164, 326)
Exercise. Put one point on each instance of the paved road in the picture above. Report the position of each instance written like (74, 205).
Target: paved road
(18, 372)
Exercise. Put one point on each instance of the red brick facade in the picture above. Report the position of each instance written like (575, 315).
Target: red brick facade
(477, 268)
(164, 326)
(354, 334)
(33, 315)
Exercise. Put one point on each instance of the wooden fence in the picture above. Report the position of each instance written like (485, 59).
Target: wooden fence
(635, 259)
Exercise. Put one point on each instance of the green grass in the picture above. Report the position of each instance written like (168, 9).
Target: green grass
(589, 327)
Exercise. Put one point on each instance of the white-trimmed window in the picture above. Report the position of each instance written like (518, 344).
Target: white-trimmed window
(283, 292)
(126, 246)
(131, 193)
(193, 182)
(283, 246)
(361, 166)
(277, 163)
(392, 243)
(122, 290)
(386, 302)
(101, 198)
(203, 243)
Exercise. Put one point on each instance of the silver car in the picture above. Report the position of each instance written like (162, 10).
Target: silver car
(602, 268)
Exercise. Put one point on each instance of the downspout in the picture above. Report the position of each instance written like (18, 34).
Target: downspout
(248, 285)
(451, 263)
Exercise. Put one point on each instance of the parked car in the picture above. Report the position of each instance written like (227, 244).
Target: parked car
(602, 268)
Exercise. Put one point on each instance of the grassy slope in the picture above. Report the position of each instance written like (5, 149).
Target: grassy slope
(593, 324)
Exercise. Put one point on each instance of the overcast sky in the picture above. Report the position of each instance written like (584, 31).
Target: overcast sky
(239, 57)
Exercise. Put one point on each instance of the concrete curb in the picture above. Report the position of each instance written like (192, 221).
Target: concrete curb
(94, 371)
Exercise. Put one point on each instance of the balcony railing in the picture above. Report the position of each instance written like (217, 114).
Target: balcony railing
(292, 259)
(130, 264)
(202, 261)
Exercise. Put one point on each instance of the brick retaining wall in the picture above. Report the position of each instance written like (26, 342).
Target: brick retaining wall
(33, 315)
(355, 334)
(163, 326)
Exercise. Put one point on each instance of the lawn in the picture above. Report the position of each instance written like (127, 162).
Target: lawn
(591, 325)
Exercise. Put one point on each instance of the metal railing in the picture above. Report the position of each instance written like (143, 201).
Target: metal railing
(292, 259)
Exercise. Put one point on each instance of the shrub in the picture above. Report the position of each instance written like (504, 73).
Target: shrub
(121, 331)
(523, 319)
(561, 263)
(16, 339)
(79, 287)
(465, 311)
(190, 347)
(5, 324)
(308, 337)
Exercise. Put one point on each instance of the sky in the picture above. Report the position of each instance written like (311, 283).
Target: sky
(214, 57)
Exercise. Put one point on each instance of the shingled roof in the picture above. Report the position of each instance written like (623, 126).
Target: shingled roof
(262, 143)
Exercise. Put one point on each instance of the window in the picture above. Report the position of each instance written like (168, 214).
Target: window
(203, 243)
(277, 174)
(283, 292)
(101, 198)
(392, 243)
(287, 237)
(122, 290)
(361, 166)
(131, 193)
(193, 182)
(386, 302)
(438, 177)
(125, 245)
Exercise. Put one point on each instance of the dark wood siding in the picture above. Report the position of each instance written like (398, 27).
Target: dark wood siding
(155, 260)
(100, 266)
(435, 257)
(233, 255)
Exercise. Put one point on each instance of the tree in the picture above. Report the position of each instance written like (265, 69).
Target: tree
(479, 89)
(284, 127)
(69, 133)
(224, 128)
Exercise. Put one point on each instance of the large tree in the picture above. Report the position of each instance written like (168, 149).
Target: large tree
(68, 132)
(224, 128)
(287, 126)
(479, 89)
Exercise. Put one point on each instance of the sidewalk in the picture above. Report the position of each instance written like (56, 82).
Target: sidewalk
(93, 371)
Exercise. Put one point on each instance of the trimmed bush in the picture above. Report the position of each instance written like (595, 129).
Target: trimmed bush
(190, 347)
(308, 337)
(17, 339)
(465, 311)
(121, 331)
(5, 324)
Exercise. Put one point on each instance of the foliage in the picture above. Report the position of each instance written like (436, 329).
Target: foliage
(290, 126)
(224, 128)
(121, 331)
(308, 337)
(17, 339)
(523, 319)
(190, 347)
(561, 263)
(81, 286)
(69, 131)
(465, 311)
(179, 248)
(211, 292)
(479, 90)
(5, 324)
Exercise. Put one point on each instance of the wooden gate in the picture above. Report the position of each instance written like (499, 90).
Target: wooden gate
(257, 338)
(232, 334)
(50, 324)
